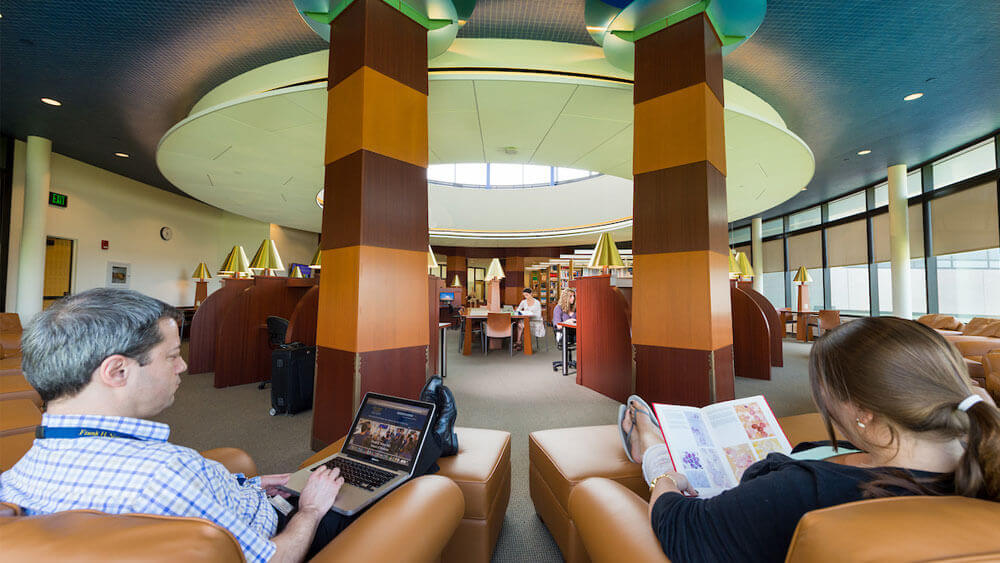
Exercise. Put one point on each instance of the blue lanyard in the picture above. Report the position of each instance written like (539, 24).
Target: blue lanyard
(78, 432)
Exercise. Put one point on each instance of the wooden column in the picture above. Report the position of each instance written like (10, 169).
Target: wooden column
(372, 332)
(681, 328)
(514, 282)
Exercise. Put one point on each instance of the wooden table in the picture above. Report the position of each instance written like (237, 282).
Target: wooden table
(481, 316)
(443, 347)
(567, 324)
(802, 323)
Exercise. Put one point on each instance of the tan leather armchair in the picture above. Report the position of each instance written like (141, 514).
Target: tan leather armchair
(614, 525)
(411, 524)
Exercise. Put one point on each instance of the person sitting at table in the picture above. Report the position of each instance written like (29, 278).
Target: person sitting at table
(529, 306)
(901, 395)
(564, 311)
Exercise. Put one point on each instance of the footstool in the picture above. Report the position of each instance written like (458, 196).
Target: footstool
(482, 471)
(562, 458)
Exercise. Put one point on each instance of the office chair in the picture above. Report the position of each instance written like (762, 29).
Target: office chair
(277, 327)
(571, 338)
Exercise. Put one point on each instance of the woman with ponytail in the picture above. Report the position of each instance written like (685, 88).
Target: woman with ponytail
(914, 424)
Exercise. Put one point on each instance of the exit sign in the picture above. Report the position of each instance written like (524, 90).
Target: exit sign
(58, 200)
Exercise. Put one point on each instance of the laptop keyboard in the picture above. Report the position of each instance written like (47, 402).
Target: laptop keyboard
(359, 474)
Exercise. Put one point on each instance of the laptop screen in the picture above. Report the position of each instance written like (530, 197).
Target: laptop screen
(388, 430)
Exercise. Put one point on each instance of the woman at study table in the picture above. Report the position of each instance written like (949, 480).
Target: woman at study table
(564, 311)
(529, 306)
(901, 395)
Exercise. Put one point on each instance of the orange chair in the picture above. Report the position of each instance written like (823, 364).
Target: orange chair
(497, 326)
(828, 319)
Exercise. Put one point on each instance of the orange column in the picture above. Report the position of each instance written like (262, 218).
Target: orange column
(372, 333)
(681, 327)
(514, 281)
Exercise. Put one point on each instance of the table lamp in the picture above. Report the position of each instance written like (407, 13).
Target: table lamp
(746, 270)
(493, 276)
(296, 272)
(734, 266)
(432, 263)
(236, 264)
(456, 282)
(201, 286)
(803, 279)
(606, 254)
(267, 258)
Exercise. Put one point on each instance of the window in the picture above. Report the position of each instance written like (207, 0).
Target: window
(771, 228)
(968, 282)
(846, 206)
(849, 289)
(913, 187)
(774, 288)
(918, 287)
(918, 280)
(966, 164)
(738, 236)
(773, 277)
(847, 257)
(807, 250)
(804, 219)
(502, 175)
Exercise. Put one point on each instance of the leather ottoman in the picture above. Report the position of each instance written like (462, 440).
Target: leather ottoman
(482, 471)
(562, 458)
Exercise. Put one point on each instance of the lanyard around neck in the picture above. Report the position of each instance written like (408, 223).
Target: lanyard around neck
(70, 432)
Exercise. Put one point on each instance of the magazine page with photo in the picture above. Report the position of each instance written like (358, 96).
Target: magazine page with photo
(714, 445)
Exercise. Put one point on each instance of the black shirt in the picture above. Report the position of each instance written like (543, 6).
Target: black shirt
(756, 520)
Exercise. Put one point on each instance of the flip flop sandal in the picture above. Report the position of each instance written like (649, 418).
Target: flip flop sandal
(626, 436)
(647, 410)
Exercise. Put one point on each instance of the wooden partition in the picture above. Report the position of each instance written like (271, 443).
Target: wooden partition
(434, 285)
(603, 339)
(751, 336)
(239, 352)
(775, 327)
(302, 324)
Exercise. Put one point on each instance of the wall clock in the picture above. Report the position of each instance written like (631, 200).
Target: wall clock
(166, 233)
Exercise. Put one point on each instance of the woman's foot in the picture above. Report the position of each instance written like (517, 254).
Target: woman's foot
(645, 434)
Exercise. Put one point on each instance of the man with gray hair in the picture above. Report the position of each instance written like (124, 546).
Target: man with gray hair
(105, 361)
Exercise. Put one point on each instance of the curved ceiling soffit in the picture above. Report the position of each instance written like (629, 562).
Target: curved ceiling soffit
(274, 80)
(442, 18)
(617, 24)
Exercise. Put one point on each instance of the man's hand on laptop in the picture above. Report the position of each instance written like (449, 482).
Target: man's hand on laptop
(272, 485)
(321, 490)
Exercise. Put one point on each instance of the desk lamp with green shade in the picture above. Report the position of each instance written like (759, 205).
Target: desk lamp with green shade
(734, 267)
(803, 279)
(236, 264)
(746, 270)
(201, 286)
(267, 258)
(606, 254)
(493, 276)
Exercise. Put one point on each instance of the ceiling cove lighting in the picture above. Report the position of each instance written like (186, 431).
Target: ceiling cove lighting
(864, 152)
(121, 154)
(913, 96)
(51, 102)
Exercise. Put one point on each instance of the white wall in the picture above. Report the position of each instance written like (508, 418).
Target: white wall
(129, 215)
(294, 246)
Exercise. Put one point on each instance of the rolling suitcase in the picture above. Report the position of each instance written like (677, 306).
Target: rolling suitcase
(292, 368)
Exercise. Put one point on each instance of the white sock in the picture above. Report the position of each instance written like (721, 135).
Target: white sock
(656, 462)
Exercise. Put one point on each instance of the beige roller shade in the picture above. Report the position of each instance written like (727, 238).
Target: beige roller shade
(880, 234)
(847, 244)
(805, 250)
(966, 220)
(774, 256)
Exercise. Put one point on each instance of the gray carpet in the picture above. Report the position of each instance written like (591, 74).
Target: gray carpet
(519, 395)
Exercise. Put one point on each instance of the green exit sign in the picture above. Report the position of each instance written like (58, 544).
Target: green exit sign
(58, 200)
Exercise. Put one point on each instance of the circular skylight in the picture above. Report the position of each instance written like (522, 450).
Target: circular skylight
(503, 176)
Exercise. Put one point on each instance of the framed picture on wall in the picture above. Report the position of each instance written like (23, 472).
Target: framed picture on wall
(119, 275)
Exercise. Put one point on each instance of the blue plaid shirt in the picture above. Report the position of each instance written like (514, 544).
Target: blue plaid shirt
(146, 476)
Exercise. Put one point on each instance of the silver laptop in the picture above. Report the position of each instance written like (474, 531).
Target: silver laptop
(380, 451)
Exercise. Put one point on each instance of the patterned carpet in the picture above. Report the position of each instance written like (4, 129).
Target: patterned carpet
(519, 394)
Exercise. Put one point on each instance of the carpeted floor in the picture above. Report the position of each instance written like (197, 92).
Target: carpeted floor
(519, 395)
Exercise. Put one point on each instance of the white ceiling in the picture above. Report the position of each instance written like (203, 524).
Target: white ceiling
(261, 155)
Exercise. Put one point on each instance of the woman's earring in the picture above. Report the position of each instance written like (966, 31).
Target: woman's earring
(860, 424)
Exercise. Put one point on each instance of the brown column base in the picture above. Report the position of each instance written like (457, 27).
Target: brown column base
(683, 377)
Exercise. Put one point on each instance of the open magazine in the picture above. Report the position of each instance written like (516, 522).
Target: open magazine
(712, 446)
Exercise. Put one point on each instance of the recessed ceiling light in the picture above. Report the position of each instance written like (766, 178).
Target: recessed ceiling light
(864, 152)
(51, 102)
(320, 198)
(913, 96)
(121, 154)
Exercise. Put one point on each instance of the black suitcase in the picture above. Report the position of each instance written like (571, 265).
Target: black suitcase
(292, 368)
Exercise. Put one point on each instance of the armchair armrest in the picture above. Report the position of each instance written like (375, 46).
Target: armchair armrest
(973, 346)
(235, 460)
(411, 524)
(613, 523)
